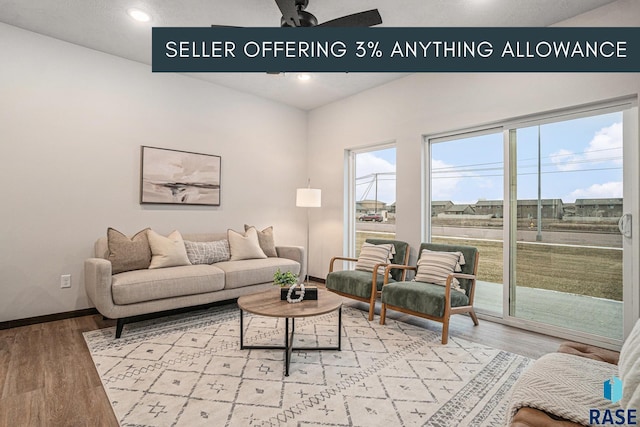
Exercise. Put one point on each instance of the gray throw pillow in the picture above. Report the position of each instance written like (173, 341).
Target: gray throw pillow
(126, 253)
(207, 252)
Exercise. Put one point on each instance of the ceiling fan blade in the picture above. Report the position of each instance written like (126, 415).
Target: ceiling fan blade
(368, 18)
(289, 12)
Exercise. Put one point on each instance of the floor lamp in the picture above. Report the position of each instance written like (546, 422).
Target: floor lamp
(308, 198)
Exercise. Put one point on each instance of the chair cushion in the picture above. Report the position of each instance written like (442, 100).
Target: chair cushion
(425, 298)
(353, 282)
(371, 254)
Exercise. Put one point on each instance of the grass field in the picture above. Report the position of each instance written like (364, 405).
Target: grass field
(579, 270)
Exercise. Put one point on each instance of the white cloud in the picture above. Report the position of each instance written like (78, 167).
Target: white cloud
(444, 185)
(596, 191)
(605, 146)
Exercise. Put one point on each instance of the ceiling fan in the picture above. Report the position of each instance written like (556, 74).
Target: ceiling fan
(295, 15)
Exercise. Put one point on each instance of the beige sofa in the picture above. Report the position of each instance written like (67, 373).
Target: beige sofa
(133, 293)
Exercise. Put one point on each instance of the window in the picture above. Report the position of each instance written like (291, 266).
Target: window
(372, 210)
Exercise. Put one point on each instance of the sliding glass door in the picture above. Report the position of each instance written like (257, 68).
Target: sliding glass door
(567, 259)
(548, 202)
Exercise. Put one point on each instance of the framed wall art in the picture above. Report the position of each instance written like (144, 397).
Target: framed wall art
(179, 177)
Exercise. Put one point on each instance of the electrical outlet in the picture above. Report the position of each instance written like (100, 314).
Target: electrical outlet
(65, 281)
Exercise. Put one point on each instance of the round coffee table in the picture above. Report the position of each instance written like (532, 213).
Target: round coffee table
(268, 303)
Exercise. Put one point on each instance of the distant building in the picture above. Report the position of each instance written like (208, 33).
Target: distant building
(460, 210)
(438, 207)
(600, 208)
(551, 208)
(364, 206)
(489, 207)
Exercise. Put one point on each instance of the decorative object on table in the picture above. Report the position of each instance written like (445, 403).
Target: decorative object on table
(310, 293)
(290, 291)
(403, 376)
(179, 177)
(308, 198)
(284, 279)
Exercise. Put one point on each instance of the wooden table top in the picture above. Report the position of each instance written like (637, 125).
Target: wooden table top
(268, 303)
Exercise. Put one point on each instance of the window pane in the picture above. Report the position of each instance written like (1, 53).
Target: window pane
(375, 195)
(568, 268)
(466, 207)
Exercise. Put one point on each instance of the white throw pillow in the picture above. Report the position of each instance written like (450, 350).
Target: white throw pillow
(167, 251)
(244, 246)
(371, 254)
(435, 267)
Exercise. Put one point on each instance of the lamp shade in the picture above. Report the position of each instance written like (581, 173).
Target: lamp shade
(308, 197)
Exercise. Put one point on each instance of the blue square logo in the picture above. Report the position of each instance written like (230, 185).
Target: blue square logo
(612, 389)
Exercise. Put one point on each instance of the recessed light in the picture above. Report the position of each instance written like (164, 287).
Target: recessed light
(139, 15)
(304, 77)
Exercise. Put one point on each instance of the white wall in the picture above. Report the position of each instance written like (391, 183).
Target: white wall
(422, 104)
(72, 121)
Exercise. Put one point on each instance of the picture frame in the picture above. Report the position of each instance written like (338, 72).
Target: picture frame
(175, 177)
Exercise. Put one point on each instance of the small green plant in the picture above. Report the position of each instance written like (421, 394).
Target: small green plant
(284, 279)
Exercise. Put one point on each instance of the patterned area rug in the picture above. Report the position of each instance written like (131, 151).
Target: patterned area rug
(188, 370)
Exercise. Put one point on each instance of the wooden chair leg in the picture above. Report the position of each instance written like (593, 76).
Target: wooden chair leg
(372, 306)
(472, 313)
(383, 313)
(445, 331)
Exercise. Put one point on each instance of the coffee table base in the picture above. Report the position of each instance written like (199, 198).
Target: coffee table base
(288, 340)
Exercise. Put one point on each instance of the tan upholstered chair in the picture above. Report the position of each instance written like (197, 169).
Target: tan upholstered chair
(363, 285)
(432, 301)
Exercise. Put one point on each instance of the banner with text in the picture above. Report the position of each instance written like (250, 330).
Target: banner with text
(469, 49)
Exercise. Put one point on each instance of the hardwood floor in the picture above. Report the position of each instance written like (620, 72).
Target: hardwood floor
(47, 377)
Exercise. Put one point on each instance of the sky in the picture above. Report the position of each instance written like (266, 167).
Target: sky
(580, 158)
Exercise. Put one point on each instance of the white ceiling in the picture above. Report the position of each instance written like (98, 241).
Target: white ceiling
(104, 25)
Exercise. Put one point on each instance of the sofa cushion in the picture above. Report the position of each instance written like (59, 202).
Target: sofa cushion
(145, 285)
(126, 253)
(253, 271)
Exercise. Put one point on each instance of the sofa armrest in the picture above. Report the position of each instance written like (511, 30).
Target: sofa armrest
(97, 282)
(295, 253)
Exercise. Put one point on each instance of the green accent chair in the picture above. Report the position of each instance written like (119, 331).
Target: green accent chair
(363, 285)
(429, 300)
